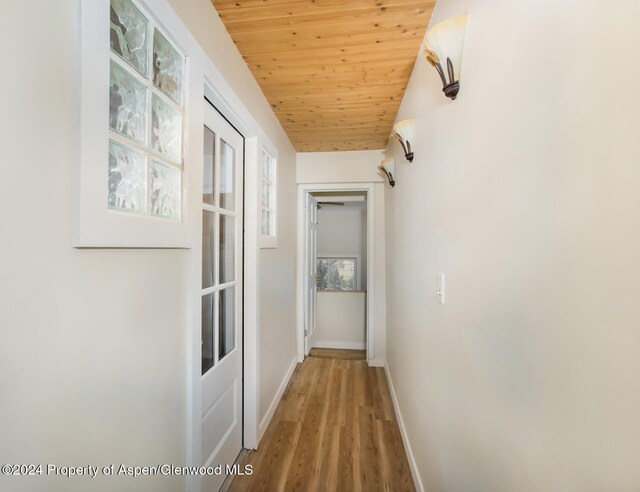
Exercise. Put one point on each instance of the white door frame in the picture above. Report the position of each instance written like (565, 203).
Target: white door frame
(369, 188)
(253, 141)
(218, 92)
(311, 280)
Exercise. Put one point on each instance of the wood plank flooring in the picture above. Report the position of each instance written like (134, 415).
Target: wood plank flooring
(334, 430)
(346, 354)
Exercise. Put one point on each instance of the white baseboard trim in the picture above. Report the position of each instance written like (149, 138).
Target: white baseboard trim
(340, 345)
(376, 363)
(264, 423)
(403, 432)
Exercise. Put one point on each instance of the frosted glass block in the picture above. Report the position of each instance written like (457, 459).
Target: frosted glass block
(128, 35)
(166, 190)
(226, 322)
(227, 249)
(166, 133)
(167, 67)
(127, 104)
(268, 223)
(127, 178)
(208, 174)
(207, 333)
(227, 176)
(208, 249)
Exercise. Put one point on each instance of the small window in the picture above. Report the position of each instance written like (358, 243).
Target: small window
(146, 111)
(337, 273)
(268, 201)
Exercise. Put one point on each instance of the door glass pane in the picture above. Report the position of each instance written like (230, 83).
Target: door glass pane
(227, 176)
(208, 249)
(208, 175)
(227, 323)
(227, 254)
(207, 332)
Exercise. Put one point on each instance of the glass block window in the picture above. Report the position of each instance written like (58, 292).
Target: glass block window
(337, 273)
(146, 113)
(268, 223)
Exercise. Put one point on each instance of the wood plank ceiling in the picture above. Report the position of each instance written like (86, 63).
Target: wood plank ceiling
(334, 71)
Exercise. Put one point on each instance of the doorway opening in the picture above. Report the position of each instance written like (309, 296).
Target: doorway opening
(335, 268)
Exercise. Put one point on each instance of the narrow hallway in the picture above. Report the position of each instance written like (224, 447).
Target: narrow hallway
(334, 430)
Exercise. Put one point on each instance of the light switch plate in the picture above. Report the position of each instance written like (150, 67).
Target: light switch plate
(441, 288)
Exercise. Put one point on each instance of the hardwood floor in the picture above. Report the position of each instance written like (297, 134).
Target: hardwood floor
(346, 354)
(334, 430)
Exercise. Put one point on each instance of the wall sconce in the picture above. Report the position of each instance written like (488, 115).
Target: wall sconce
(444, 41)
(403, 131)
(388, 168)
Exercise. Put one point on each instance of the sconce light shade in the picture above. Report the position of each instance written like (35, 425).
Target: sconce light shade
(403, 131)
(443, 47)
(388, 169)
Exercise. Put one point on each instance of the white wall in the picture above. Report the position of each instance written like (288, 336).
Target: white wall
(524, 192)
(339, 167)
(356, 167)
(93, 342)
(277, 266)
(341, 320)
(343, 230)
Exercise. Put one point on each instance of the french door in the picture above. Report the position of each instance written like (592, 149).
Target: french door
(221, 295)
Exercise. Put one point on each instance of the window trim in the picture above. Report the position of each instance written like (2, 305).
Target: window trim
(346, 256)
(269, 240)
(95, 224)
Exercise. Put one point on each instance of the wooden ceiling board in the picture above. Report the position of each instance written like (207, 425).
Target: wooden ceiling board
(334, 71)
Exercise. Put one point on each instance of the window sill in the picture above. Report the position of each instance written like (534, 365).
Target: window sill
(268, 242)
(344, 291)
